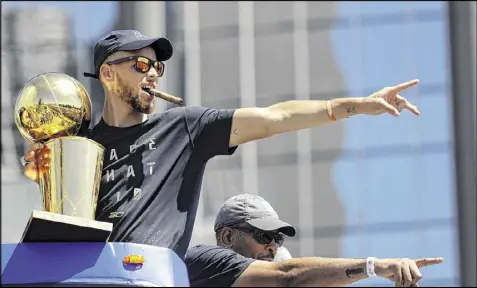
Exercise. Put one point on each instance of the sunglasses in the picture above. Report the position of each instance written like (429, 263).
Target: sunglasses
(263, 237)
(142, 65)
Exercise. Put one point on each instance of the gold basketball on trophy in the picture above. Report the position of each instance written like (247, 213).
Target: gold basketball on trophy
(50, 109)
(51, 105)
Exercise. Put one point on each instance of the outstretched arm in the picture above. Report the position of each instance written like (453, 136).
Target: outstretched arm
(330, 272)
(256, 123)
(299, 272)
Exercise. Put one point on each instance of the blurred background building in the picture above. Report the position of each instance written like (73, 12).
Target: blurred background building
(365, 186)
(35, 40)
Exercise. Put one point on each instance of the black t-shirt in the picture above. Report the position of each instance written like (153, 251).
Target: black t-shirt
(214, 266)
(152, 173)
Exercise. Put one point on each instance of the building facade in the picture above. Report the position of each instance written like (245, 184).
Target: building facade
(35, 40)
(347, 186)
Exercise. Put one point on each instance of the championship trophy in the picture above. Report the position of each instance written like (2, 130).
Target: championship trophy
(74, 250)
(50, 109)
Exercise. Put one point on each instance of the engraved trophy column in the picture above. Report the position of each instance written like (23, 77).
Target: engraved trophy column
(50, 109)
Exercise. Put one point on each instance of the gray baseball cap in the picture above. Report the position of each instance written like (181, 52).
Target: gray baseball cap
(253, 210)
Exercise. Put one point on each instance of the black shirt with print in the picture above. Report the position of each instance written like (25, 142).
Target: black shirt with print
(152, 173)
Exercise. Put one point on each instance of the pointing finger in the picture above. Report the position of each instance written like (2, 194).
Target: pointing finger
(403, 86)
(423, 262)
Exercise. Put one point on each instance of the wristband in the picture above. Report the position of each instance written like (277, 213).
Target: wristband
(370, 267)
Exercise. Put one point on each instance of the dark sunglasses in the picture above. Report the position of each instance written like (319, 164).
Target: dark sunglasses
(142, 65)
(263, 237)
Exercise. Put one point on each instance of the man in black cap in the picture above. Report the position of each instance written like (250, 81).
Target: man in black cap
(249, 233)
(154, 164)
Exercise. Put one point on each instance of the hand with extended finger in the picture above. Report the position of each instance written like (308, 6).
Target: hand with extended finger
(403, 272)
(388, 100)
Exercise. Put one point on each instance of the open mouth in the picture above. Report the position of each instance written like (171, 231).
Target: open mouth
(147, 91)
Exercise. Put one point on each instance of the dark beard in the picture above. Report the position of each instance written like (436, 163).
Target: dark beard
(265, 256)
(240, 246)
(127, 95)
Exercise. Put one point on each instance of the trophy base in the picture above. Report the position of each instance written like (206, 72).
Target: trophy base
(52, 227)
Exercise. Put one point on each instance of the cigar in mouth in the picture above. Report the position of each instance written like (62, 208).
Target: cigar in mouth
(164, 96)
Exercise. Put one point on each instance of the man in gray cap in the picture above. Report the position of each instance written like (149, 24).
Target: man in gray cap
(253, 214)
(249, 232)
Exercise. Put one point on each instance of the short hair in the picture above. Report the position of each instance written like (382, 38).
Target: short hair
(109, 58)
(218, 233)
(218, 237)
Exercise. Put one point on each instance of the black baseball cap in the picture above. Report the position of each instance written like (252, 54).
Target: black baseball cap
(253, 210)
(127, 40)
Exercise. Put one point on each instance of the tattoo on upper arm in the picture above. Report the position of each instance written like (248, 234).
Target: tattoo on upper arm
(235, 131)
(351, 110)
(354, 271)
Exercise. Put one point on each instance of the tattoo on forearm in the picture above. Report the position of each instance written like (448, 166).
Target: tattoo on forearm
(351, 110)
(235, 131)
(354, 271)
